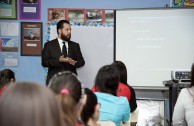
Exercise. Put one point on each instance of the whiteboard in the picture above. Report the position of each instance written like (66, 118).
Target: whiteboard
(153, 42)
(96, 45)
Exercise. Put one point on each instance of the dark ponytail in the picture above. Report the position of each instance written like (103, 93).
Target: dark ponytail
(6, 76)
(107, 80)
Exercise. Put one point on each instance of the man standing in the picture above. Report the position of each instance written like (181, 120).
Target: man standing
(62, 54)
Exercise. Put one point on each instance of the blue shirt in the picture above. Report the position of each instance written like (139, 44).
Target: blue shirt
(113, 108)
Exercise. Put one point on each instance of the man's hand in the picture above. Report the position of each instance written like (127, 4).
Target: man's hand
(67, 59)
(62, 59)
(72, 62)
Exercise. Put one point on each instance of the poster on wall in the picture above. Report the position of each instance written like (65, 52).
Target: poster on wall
(9, 28)
(31, 38)
(189, 3)
(8, 9)
(8, 44)
(81, 17)
(30, 9)
(182, 3)
(9, 60)
(109, 18)
(76, 16)
(56, 14)
(94, 17)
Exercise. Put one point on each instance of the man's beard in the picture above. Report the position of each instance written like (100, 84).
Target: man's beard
(66, 38)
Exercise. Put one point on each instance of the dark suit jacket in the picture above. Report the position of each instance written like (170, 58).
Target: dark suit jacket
(50, 58)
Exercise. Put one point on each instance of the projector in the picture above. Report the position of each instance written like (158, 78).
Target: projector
(181, 75)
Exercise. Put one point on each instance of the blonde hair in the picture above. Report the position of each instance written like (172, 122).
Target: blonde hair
(29, 104)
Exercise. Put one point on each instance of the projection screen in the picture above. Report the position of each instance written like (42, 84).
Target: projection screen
(153, 42)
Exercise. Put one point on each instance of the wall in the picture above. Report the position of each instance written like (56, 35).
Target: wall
(30, 68)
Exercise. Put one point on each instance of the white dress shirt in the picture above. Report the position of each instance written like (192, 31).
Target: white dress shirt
(61, 44)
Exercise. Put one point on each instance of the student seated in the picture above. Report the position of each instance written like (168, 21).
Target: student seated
(70, 95)
(184, 108)
(29, 104)
(123, 89)
(112, 108)
(90, 112)
(123, 79)
(6, 77)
